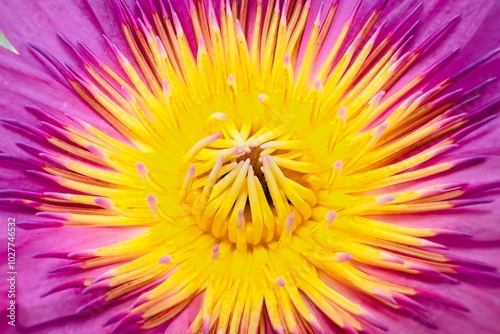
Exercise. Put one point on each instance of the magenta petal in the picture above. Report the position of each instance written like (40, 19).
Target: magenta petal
(86, 20)
(108, 14)
(488, 28)
(33, 280)
(473, 34)
(105, 13)
(25, 85)
(480, 297)
(480, 221)
(180, 324)
(41, 21)
(485, 37)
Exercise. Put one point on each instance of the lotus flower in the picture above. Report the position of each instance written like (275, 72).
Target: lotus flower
(251, 166)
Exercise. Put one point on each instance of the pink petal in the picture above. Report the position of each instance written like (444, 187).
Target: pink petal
(480, 296)
(40, 21)
(33, 278)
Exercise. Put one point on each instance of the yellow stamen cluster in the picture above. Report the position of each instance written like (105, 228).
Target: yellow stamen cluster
(256, 167)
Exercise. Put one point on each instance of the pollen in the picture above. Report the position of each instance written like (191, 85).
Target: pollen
(264, 159)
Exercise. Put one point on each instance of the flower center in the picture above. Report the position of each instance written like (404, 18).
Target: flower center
(254, 155)
(248, 183)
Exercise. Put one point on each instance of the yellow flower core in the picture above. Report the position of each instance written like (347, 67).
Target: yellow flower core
(261, 169)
